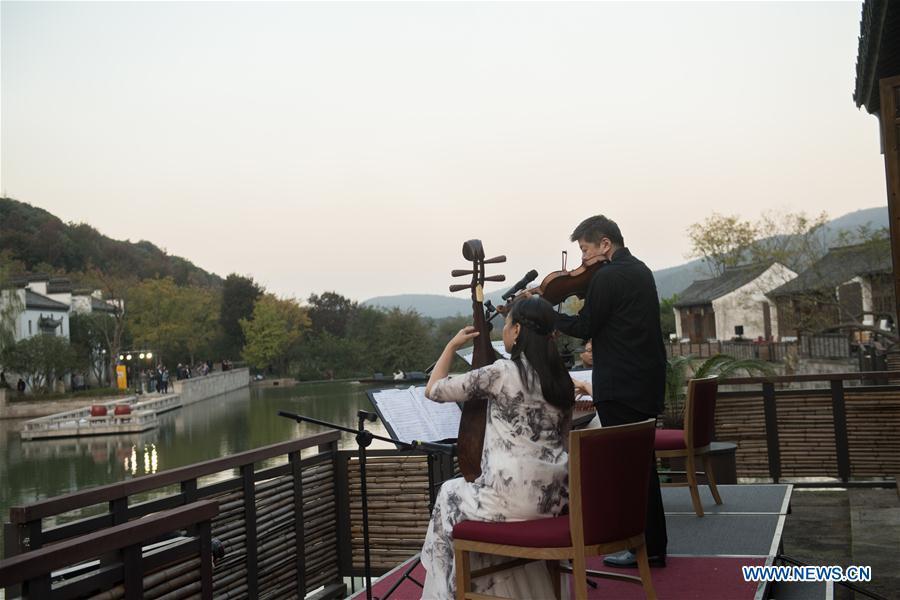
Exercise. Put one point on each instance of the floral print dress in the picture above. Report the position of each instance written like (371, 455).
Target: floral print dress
(524, 475)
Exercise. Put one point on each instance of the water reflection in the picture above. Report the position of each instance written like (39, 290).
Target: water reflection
(231, 423)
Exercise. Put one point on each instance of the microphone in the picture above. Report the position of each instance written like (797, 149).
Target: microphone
(520, 285)
(434, 447)
(368, 416)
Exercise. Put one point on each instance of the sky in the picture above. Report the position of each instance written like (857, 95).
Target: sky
(353, 147)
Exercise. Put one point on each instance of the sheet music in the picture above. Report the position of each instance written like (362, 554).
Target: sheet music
(583, 375)
(412, 416)
(466, 353)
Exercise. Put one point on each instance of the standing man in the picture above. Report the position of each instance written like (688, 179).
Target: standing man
(621, 318)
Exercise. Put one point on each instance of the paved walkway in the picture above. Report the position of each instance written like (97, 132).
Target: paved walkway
(848, 527)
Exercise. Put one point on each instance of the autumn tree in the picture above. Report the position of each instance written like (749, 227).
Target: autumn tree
(173, 320)
(721, 241)
(272, 332)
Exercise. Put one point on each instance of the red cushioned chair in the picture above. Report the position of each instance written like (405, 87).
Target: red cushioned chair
(609, 470)
(693, 441)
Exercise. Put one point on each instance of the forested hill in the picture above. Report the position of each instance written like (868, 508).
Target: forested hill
(42, 243)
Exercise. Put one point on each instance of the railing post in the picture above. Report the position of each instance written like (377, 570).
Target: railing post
(204, 531)
(841, 443)
(250, 520)
(342, 491)
(771, 419)
(299, 540)
(134, 575)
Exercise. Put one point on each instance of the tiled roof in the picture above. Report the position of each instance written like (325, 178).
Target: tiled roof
(705, 291)
(878, 54)
(36, 301)
(839, 266)
(98, 305)
(59, 285)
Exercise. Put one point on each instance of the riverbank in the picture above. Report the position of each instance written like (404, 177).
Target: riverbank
(191, 390)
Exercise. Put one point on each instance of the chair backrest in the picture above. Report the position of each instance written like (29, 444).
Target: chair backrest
(700, 412)
(609, 470)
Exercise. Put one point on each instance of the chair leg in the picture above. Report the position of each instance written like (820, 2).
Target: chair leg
(711, 478)
(463, 573)
(644, 569)
(691, 472)
(555, 577)
(579, 575)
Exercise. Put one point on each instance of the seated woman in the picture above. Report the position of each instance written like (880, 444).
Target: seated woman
(524, 464)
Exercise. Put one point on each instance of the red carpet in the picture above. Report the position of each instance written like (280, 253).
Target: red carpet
(689, 578)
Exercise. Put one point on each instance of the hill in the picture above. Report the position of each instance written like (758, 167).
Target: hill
(42, 243)
(669, 281)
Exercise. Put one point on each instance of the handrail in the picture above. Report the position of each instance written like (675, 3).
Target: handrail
(37, 562)
(816, 377)
(75, 500)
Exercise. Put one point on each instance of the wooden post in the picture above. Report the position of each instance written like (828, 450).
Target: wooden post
(250, 531)
(839, 414)
(889, 119)
(771, 418)
(299, 541)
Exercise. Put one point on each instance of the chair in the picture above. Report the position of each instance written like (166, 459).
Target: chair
(693, 441)
(609, 470)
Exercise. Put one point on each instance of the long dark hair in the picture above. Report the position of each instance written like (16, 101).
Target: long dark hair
(536, 317)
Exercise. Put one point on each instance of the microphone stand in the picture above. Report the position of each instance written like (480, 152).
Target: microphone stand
(364, 440)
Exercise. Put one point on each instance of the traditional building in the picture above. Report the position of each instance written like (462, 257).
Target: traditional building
(732, 304)
(850, 283)
(48, 302)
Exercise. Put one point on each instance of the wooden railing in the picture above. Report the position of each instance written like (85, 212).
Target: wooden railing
(114, 560)
(846, 432)
(822, 346)
(278, 525)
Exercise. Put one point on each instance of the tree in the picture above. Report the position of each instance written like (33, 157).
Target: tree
(173, 320)
(273, 331)
(239, 295)
(667, 315)
(116, 292)
(40, 360)
(721, 241)
(89, 334)
(11, 304)
(331, 312)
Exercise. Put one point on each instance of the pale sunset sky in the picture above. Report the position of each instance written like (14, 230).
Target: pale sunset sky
(354, 146)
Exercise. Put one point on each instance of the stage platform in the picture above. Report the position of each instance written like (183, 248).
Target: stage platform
(705, 553)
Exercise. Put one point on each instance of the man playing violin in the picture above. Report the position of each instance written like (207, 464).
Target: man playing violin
(621, 318)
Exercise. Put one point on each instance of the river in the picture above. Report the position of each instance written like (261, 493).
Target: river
(227, 424)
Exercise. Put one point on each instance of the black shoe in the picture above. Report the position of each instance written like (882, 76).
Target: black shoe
(627, 558)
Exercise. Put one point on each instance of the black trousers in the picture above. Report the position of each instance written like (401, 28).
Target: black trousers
(613, 413)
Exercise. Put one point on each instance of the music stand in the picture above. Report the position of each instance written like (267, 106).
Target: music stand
(433, 458)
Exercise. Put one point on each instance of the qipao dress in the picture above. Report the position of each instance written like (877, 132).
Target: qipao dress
(524, 475)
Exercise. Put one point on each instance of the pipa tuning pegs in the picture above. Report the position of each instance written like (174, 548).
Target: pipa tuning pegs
(460, 272)
(496, 259)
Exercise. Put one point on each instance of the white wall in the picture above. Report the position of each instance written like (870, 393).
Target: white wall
(744, 306)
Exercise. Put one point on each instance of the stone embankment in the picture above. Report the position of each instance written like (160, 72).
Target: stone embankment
(190, 390)
(216, 383)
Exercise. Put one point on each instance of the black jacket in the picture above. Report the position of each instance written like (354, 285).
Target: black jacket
(621, 316)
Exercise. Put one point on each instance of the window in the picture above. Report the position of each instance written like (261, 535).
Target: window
(29, 326)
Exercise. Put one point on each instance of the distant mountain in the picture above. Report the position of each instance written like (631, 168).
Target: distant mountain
(42, 243)
(669, 281)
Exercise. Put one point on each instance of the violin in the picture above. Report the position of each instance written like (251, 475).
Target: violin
(557, 286)
(470, 439)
